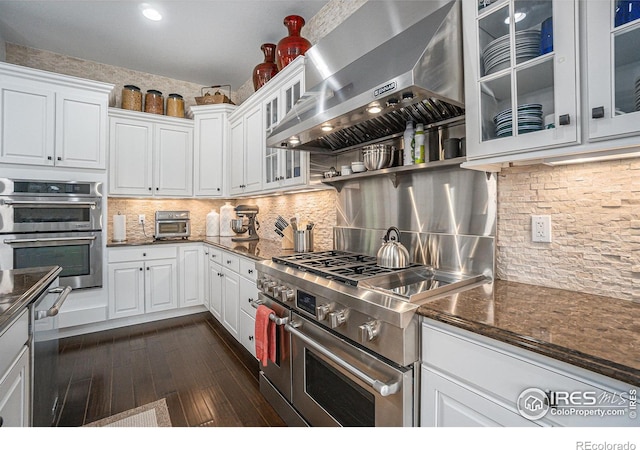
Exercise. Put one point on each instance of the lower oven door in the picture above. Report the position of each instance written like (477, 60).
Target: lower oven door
(279, 372)
(336, 383)
(79, 254)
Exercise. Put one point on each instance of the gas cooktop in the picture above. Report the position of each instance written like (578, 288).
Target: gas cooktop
(346, 267)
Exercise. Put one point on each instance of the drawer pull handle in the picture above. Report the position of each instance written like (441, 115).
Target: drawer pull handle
(564, 119)
(597, 113)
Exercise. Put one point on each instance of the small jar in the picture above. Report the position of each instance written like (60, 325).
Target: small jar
(175, 105)
(131, 98)
(154, 102)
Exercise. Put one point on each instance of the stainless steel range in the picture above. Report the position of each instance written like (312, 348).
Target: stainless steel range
(354, 340)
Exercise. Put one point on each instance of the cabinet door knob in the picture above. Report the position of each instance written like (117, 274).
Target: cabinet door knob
(49, 158)
(144, 254)
(597, 112)
(147, 268)
(228, 261)
(250, 300)
(149, 188)
(140, 269)
(251, 338)
(564, 119)
(59, 158)
(250, 271)
(157, 189)
(218, 189)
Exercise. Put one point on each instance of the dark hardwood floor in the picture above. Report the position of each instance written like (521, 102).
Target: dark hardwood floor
(206, 376)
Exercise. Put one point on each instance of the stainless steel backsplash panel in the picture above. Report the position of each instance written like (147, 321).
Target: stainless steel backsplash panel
(447, 217)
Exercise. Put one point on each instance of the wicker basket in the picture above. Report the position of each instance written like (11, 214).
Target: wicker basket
(216, 98)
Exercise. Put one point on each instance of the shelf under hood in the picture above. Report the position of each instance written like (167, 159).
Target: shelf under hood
(415, 75)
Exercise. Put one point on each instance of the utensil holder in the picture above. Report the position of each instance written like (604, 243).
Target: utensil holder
(303, 241)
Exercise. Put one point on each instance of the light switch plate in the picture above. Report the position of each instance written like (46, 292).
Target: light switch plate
(541, 228)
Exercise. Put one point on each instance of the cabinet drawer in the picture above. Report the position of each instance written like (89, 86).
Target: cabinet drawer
(231, 262)
(505, 371)
(215, 255)
(142, 253)
(248, 294)
(13, 340)
(248, 269)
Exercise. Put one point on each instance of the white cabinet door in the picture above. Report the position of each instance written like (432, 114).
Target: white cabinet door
(236, 157)
(215, 289)
(161, 285)
(15, 409)
(80, 132)
(444, 403)
(540, 86)
(130, 157)
(254, 149)
(247, 332)
(613, 71)
(231, 302)
(126, 289)
(27, 124)
(173, 160)
(191, 276)
(210, 141)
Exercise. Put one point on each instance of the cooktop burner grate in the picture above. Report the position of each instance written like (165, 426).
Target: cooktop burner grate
(346, 267)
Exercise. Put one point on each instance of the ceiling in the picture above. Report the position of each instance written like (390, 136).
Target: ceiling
(204, 42)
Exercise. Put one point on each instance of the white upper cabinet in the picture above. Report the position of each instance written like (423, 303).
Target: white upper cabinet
(613, 61)
(52, 120)
(244, 157)
(283, 167)
(520, 55)
(211, 138)
(150, 156)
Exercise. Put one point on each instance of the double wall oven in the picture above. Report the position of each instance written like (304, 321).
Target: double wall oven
(48, 223)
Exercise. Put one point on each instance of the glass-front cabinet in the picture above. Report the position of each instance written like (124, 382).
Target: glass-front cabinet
(520, 55)
(613, 60)
(283, 167)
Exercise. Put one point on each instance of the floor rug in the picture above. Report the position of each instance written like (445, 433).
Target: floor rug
(154, 414)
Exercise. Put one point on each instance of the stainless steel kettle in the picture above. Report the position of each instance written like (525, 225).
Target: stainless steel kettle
(392, 254)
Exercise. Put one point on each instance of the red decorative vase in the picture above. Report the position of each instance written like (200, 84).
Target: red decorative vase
(294, 45)
(264, 71)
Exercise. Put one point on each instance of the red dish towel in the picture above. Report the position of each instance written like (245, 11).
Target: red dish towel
(265, 333)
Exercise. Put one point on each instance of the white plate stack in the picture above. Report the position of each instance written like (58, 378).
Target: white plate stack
(638, 94)
(496, 55)
(529, 120)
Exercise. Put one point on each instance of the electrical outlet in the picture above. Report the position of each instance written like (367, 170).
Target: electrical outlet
(141, 219)
(541, 228)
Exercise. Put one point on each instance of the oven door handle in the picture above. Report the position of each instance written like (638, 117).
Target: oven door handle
(382, 388)
(272, 317)
(25, 241)
(48, 203)
(55, 309)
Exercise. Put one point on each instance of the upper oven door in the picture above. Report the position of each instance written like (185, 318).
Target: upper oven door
(78, 253)
(26, 214)
(335, 383)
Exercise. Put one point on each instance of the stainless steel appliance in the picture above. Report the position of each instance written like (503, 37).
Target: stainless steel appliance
(354, 335)
(248, 212)
(44, 344)
(53, 223)
(407, 63)
(172, 224)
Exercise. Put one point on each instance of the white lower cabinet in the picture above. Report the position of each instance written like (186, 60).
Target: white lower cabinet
(191, 268)
(232, 289)
(471, 380)
(15, 403)
(142, 280)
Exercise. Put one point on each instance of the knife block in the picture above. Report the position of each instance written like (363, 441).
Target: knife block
(287, 240)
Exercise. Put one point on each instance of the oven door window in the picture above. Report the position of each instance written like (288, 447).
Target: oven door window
(172, 227)
(349, 404)
(74, 259)
(51, 215)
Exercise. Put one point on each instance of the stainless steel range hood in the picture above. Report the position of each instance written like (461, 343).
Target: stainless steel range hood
(416, 74)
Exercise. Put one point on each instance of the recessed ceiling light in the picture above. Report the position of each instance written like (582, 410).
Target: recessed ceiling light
(151, 13)
(518, 17)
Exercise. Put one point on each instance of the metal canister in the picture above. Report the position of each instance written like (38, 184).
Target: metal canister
(131, 98)
(175, 105)
(154, 102)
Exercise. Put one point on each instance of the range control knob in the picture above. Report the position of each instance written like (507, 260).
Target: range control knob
(322, 311)
(288, 295)
(369, 331)
(337, 318)
(268, 286)
(260, 282)
(277, 290)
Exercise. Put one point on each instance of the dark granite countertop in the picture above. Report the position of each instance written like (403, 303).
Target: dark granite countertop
(261, 249)
(601, 334)
(20, 287)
